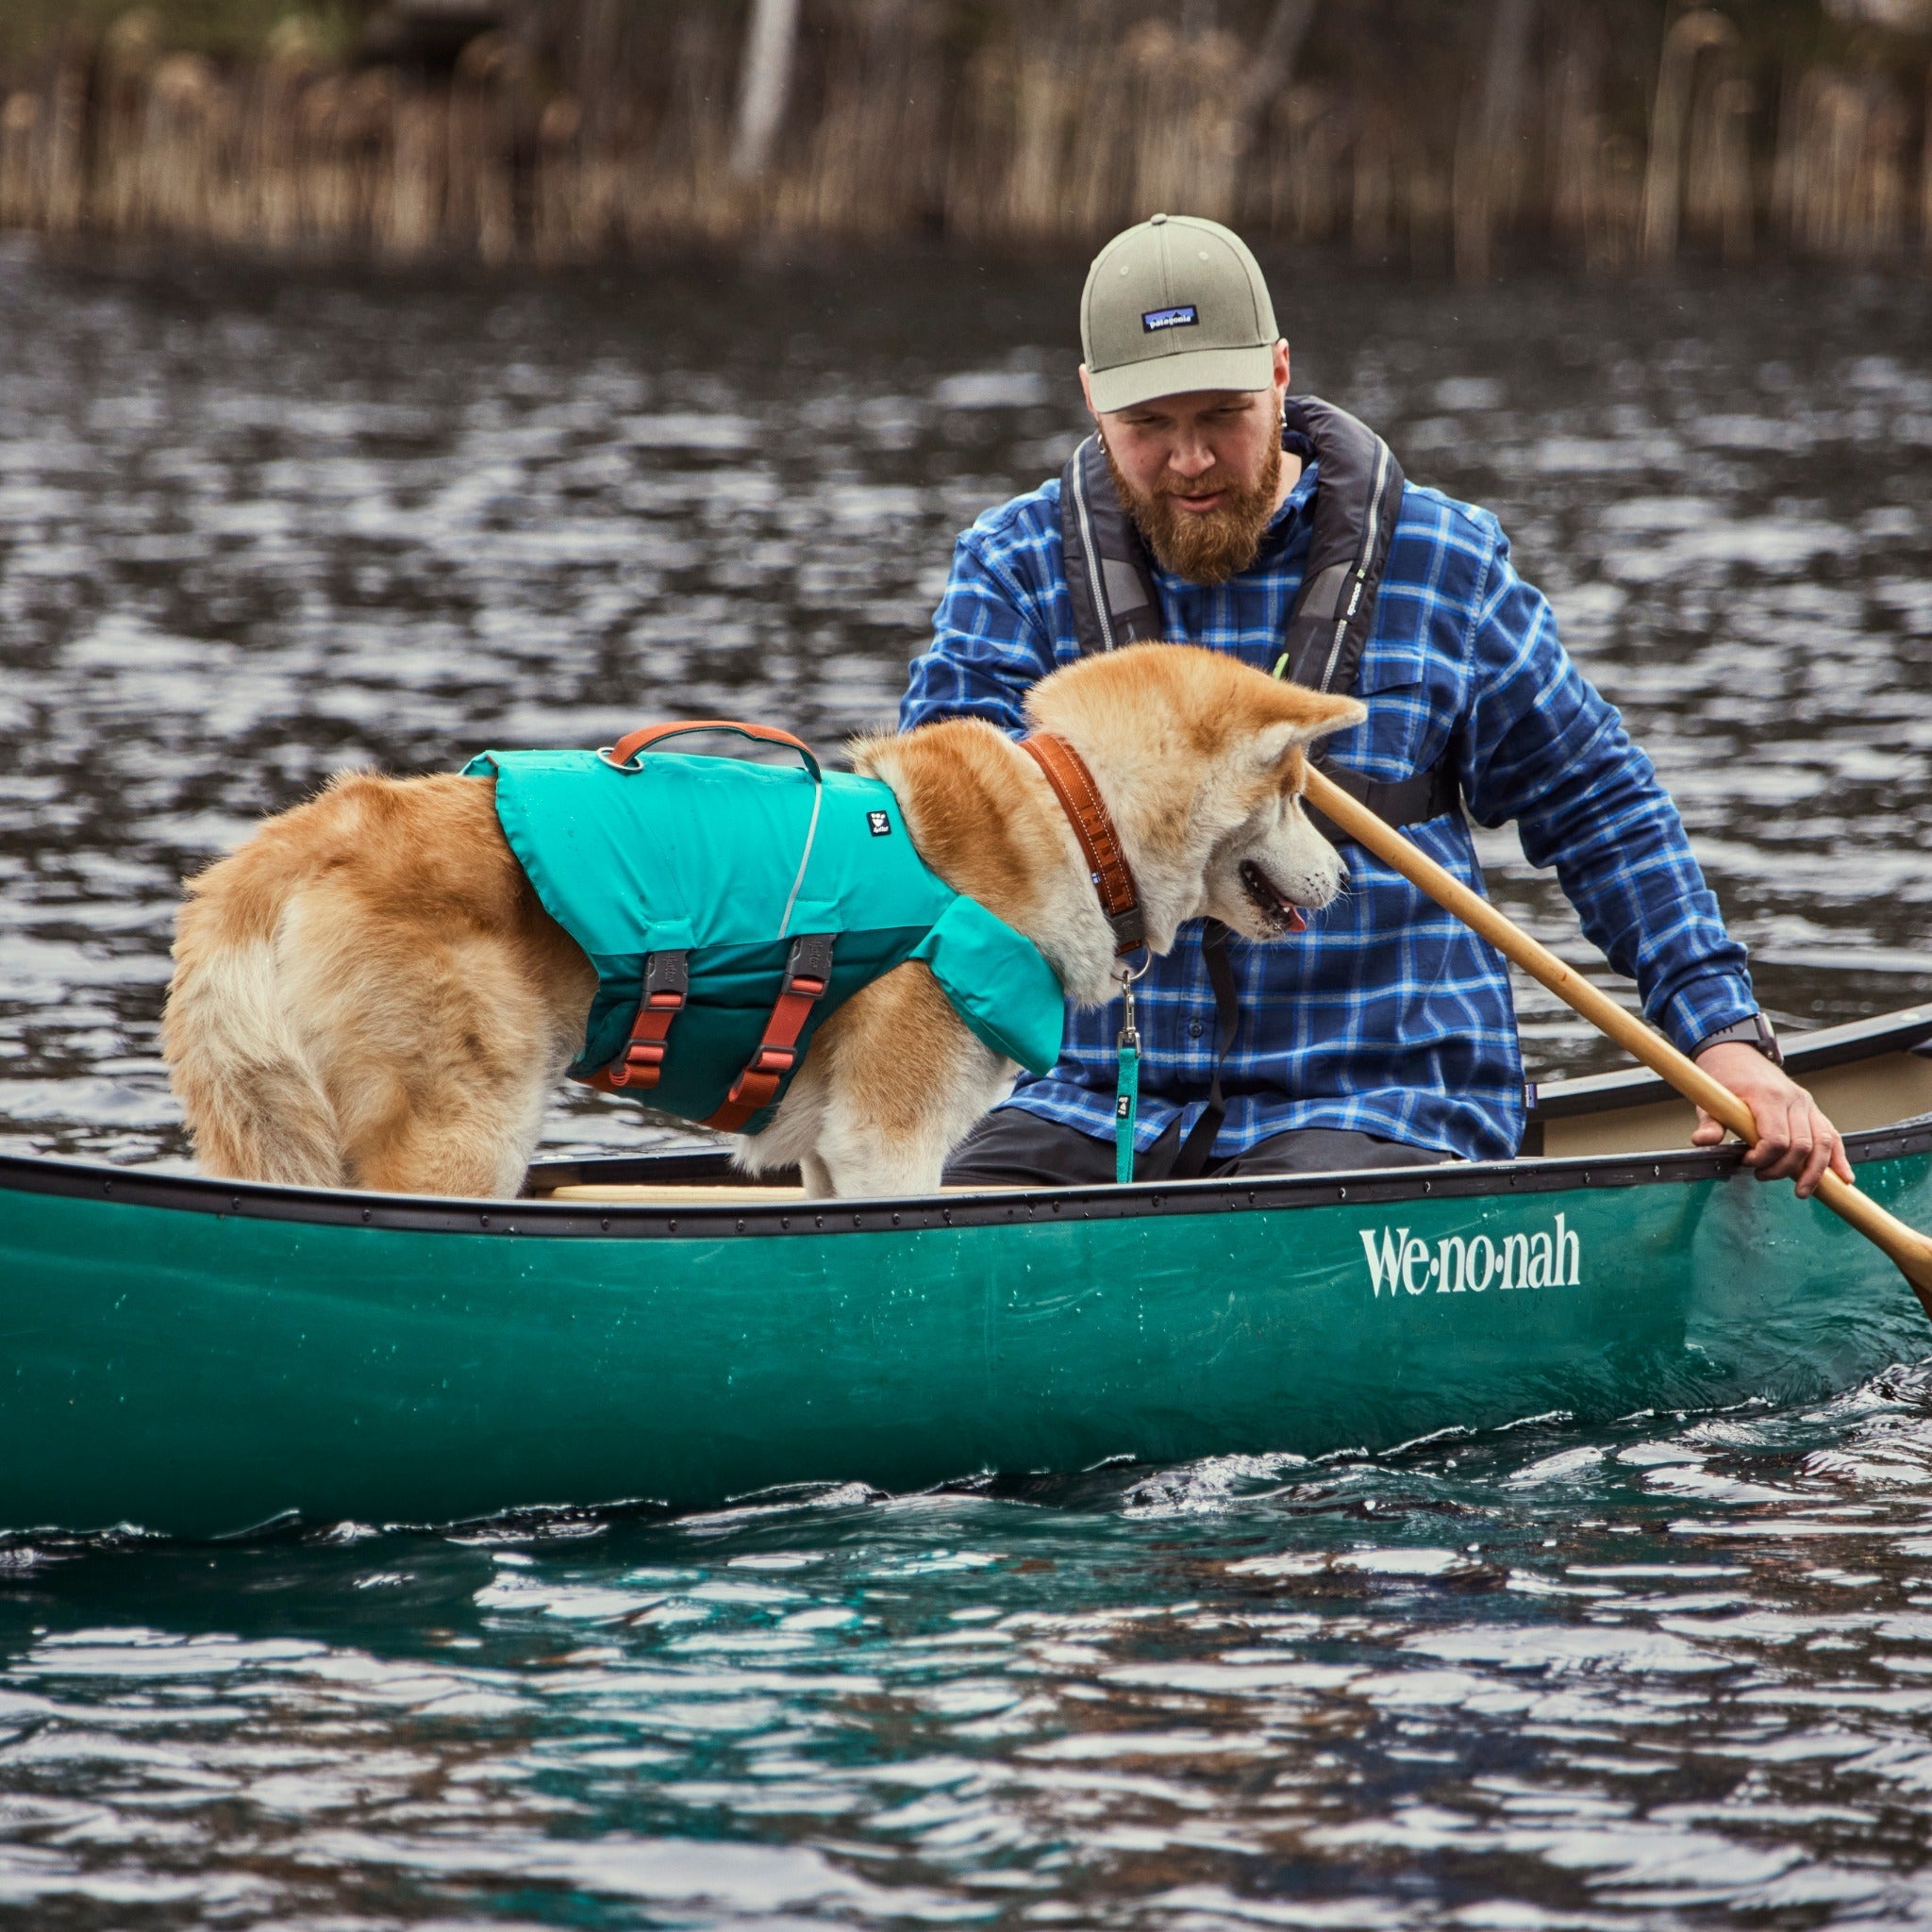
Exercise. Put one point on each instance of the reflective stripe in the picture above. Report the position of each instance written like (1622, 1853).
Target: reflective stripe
(1363, 562)
(1090, 556)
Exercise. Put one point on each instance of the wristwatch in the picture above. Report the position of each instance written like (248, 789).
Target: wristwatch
(1755, 1031)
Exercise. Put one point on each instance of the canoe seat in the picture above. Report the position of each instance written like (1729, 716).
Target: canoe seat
(701, 1196)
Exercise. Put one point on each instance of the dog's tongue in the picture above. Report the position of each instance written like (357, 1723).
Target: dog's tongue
(1295, 922)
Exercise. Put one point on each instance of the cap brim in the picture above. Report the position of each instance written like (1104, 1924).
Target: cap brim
(1181, 375)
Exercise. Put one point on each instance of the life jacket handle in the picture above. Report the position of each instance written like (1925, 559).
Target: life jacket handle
(624, 753)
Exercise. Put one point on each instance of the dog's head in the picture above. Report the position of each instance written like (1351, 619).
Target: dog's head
(1200, 759)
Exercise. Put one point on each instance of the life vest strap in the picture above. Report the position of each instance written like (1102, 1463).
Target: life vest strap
(667, 982)
(807, 973)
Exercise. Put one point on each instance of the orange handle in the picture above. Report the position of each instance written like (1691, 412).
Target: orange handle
(623, 754)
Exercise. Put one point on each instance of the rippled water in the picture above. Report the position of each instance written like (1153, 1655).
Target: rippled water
(1677, 1671)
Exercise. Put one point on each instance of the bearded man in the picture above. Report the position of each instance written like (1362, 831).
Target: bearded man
(1386, 1035)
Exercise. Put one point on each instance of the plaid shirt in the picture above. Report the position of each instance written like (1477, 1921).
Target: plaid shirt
(1387, 1016)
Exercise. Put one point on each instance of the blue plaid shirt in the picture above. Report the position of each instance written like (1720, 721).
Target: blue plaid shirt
(1387, 1016)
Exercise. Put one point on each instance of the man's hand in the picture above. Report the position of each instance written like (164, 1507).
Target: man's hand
(1794, 1139)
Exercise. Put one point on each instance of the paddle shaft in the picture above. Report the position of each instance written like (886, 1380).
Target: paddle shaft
(1910, 1250)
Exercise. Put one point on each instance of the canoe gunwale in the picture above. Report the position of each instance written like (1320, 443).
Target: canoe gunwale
(1806, 1054)
(525, 1219)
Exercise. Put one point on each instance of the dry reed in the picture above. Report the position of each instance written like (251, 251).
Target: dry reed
(1042, 126)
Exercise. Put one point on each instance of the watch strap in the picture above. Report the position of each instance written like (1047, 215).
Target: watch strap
(1755, 1032)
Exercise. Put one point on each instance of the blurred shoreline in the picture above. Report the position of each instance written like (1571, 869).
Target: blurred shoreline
(1616, 135)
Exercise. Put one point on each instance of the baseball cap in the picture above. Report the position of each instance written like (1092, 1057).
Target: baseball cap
(1174, 304)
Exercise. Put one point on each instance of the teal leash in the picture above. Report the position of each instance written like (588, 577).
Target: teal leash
(1126, 1102)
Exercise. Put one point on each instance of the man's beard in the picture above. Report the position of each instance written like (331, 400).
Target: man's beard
(1205, 549)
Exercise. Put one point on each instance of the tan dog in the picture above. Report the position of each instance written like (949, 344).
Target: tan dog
(368, 993)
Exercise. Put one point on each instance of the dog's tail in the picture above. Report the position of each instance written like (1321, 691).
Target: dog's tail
(255, 1100)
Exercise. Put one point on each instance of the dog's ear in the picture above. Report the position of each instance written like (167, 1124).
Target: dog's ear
(1312, 714)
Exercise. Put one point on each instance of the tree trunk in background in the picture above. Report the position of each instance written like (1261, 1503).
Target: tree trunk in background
(1926, 174)
(1484, 162)
(1694, 35)
(765, 79)
(1273, 70)
(597, 51)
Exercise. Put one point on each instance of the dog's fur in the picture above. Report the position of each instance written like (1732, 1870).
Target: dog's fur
(369, 994)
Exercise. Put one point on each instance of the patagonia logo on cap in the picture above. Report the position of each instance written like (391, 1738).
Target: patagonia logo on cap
(1156, 319)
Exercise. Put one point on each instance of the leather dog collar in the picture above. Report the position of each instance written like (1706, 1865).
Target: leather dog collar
(1107, 863)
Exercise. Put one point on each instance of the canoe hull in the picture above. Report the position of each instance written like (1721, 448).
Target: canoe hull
(198, 1372)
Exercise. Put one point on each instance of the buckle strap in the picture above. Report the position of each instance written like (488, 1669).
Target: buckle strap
(640, 1061)
(807, 973)
(1106, 862)
(1396, 802)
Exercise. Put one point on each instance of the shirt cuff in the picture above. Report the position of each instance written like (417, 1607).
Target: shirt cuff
(1704, 1008)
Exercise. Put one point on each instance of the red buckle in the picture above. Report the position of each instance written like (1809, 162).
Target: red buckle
(660, 999)
(807, 977)
(641, 1060)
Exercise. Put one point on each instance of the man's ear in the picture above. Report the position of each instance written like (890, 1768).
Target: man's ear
(1087, 390)
(1319, 713)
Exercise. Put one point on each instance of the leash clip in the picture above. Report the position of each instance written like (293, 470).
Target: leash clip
(1129, 1033)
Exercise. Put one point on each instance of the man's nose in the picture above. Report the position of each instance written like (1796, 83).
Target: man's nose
(1191, 459)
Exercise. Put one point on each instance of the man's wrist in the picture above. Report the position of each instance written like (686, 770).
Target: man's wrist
(1755, 1032)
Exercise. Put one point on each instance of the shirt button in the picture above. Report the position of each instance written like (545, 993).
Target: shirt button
(1193, 1029)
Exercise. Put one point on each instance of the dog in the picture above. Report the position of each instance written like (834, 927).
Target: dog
(369, 994)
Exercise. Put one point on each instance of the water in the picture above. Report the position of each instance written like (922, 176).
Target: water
(1679, 1672)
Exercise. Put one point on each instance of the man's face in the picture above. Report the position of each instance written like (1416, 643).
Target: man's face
(1200, 474)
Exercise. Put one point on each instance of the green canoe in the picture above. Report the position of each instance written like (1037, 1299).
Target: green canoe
(198, 1356)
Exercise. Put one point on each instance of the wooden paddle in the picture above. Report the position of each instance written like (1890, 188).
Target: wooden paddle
(1910, 1249)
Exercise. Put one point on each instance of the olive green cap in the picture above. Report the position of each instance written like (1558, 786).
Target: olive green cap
(1170, 305)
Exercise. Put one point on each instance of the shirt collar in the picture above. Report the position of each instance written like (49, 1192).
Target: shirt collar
(1286, 522)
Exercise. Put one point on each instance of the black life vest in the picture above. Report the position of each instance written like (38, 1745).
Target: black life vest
(1110, 579)
(1110, 582)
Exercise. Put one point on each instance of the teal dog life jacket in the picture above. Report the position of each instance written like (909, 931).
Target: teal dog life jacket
(729, 907)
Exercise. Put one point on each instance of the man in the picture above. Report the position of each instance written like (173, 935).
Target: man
(1385, 1035)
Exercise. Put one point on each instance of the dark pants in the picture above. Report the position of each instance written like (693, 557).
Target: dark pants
(1012, 1148)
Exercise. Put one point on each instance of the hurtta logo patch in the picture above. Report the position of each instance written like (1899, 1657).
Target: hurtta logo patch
(1158, 319)
(880, 823)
